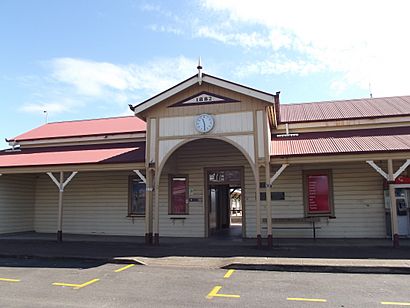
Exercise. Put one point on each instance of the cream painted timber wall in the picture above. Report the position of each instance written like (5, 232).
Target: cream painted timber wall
(97, 202)
(191, 159)
(240, 124)
(16, 203)
(94, 203)
(237, 122)
(358, 199)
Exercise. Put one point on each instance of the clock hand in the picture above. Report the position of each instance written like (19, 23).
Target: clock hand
(203, 121)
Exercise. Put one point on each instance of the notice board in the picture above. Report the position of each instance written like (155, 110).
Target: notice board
(318, 194)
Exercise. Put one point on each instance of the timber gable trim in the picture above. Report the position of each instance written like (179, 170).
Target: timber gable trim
(263, 96)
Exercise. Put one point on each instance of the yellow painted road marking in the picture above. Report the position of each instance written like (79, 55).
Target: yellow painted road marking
(319, 300)
(229, 273)
(395, 303)
(9, 280)
(214, 293)
(124, 268)
(75, 286)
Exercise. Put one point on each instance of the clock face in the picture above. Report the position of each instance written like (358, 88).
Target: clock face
(204, 123)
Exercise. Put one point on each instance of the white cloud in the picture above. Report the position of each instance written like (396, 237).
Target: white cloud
(246, 40)
(63, 105)
(89, 77)
(96, 79)
(42, 107)
(165, 29)
(338, 86)
(148, 7)
(279, 65)
(73, 85)
(366, 41)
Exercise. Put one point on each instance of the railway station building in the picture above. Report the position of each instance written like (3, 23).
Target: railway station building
(210, 157)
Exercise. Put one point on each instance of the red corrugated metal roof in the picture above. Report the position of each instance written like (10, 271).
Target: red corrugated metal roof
(107, 126)
(346, 109)
(343, 142)
(69, 155)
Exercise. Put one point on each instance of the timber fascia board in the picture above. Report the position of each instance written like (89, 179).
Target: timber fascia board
(205, 79)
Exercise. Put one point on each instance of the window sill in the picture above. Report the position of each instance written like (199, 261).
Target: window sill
(135, 215)
(179, 217)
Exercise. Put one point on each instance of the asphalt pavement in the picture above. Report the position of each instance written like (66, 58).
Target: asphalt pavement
(332, 255)
(80, 283)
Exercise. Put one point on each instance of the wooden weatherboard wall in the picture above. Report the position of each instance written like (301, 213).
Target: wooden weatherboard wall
(16, 203)
(97, 202)
(238, 122)
(358, 202)
(94, 203)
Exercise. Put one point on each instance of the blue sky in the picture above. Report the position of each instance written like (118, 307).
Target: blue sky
(89, 59)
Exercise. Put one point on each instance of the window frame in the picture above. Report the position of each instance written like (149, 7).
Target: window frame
(131, 178)
(170, 179)
(329, 174)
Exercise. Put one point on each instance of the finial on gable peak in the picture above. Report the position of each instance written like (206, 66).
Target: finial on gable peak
(199, 67)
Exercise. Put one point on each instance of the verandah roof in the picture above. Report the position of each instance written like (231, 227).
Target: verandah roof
(74, 155)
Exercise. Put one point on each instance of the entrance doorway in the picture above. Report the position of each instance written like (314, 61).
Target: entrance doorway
(225, 202)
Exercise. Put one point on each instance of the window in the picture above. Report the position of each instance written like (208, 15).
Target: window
(318, 193)
(136, 203)
(178, 195)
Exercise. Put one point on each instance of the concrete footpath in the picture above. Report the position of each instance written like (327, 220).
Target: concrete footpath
(330, 255)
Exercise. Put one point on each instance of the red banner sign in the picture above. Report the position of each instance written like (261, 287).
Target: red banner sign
(318, 194)
(402, 180)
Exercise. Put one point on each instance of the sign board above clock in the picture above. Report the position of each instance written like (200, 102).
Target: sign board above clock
(204, 98)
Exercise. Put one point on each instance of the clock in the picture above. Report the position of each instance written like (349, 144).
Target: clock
(204, 123)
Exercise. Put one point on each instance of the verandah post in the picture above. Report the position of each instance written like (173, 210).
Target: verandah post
(60, 209)
(268, 204)
(156, 209)
(258, 209)
(148, 208)
(393, 208)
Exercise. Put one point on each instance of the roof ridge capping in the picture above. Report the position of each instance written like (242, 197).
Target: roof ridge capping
(85, 120)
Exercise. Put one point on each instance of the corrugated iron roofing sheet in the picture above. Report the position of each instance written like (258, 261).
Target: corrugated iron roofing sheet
(68, 155)
(343, 142)
(106, 126)
(345, 109)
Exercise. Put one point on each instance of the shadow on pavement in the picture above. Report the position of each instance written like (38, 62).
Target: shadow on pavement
(322, 269)
(107, 248)
(50, 263)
